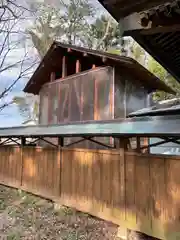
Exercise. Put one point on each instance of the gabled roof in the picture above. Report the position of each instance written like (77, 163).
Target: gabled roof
(58, 50)
(162, 108)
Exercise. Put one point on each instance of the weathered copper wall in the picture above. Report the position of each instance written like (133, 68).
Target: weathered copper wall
(141, 192)
(129, 95)
(81, 97)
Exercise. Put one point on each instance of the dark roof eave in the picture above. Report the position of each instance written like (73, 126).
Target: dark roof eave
(122, 8)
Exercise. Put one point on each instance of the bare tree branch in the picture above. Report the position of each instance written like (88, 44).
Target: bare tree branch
(11, 39)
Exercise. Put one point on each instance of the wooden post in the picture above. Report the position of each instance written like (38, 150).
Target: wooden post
(78, 66)
(60, 141)
(146, 144)
(60, 159)
(138, 144)
(52, 77)
(78, 69)
(23, 141)
(122, 175)
(95, 97)
(64, 67)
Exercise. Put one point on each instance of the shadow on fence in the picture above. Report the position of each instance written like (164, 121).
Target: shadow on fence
(141, 192)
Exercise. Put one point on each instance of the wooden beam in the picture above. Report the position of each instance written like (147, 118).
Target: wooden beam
(64, 66)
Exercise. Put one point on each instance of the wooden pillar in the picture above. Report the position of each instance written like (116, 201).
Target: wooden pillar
(23, 141)
(95, 97)
(138, 144)
(52, 77)
(122, 176)
(78, 70)
(78, 66)
(64, 66)
(60, 141)
(146, 144)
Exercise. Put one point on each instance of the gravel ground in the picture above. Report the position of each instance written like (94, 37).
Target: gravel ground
(24, 216)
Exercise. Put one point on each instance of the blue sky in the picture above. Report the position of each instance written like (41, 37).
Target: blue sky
(10, 116)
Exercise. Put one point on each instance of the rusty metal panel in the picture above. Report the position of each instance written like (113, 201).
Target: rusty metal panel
(136, 96)
(72, 99)
(80, 97)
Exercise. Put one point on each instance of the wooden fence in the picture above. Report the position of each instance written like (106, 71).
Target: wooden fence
(141, 192)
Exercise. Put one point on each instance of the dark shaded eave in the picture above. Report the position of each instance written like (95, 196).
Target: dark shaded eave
(151, 82)
(122, 8)
(162, 108)
(164, 48)
(162, 44)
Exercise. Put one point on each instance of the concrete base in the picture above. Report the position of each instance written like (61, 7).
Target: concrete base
(122, 233)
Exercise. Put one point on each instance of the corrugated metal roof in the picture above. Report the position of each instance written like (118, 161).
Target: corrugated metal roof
(142, 126)
(42, 73)
(162, 108)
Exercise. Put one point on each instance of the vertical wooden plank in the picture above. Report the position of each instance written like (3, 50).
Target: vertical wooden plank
(95, 97)
(106, 187)
(111, 102)
(89, 180)
(157, 175)
(142, 193)
(171, 200)
(122, 179)
(130, 189)
(81, 191)
(97, 181)
(10, 165)
(64, 66)
(65, 190)
(57, 177)
(116, 203)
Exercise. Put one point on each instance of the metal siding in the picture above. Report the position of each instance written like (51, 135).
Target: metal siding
(145, 126)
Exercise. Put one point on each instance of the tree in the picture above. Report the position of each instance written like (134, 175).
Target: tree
(163, 75)
(102, 34)
(46, 27)
(28, 106)
(72, 22)
(140, 55)
(14, 57)
(67, 22)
